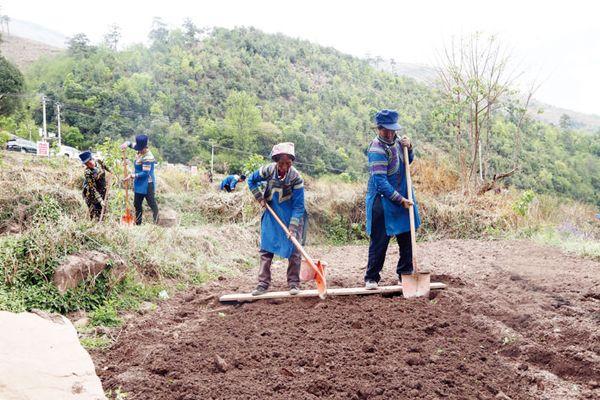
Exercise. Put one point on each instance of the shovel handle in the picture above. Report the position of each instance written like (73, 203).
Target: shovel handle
(294, 240)
(105, 198)
(411, 210)
(125, 174)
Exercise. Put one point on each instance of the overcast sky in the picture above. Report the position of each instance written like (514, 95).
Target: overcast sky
(556, 41)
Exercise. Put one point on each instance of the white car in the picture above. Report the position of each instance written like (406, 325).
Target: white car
(68, 151)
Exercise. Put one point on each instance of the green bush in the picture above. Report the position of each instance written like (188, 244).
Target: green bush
(522, 205)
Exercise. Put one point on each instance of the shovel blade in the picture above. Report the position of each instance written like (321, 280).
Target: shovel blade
(127, 219)
(416, 285)
(320, 280)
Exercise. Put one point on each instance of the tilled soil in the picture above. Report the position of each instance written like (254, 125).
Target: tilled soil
(518, 321)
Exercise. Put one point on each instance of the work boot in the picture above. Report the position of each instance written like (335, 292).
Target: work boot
(371, 285)
(294, 289)
(260, 289)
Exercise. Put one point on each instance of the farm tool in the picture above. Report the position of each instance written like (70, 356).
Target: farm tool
(317, 267)
(127, 218)
(418, 283)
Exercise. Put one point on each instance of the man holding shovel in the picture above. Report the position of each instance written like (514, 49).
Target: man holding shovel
(94, 184)
(144, 180)
(387, 198)
(284, 193)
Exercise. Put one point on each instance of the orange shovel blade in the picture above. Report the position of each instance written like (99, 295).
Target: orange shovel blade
(127, 218)
(320, 279)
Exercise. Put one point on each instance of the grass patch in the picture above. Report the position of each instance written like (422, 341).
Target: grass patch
(95, 342)
(569, 242)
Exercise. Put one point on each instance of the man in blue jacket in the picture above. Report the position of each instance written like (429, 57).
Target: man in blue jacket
(229, 183)
(387, 203)
(285, 194)
(144, 180)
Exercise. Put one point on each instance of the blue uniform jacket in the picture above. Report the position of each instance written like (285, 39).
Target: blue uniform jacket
(388, 180)
(144, 173)
(286, 197)
(231, 180)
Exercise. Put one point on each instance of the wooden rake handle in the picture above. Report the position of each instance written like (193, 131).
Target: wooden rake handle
(295, 241)
(108, 182)
(411, 210)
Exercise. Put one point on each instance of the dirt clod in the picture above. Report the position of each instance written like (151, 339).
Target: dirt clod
(220, 363)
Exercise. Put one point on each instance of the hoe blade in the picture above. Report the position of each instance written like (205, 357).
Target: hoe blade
(416, 285)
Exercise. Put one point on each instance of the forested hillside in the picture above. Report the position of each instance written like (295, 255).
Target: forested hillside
(245, 90)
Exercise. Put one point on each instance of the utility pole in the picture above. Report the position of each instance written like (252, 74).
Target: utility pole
(44, 116)
(58, 122)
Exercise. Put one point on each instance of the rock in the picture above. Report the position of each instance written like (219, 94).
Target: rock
(146, 306)
(41, 358)
(81, 322)
(168, 218)
(414, 360)
(220, 364)
(78, 267)
(163, 295)
(500, 395)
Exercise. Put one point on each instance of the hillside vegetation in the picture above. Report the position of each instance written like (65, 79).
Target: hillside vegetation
(245, 90)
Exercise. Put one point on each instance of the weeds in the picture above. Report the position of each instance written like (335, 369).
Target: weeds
(95, 342)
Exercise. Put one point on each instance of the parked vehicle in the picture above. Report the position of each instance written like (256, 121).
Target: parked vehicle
(22, 145)
(68, 151)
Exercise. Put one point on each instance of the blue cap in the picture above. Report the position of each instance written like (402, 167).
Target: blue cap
(388, 119)
(141, 142)
(85, 156)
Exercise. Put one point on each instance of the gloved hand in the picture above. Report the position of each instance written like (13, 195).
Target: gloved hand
(125, 145)
(262, 202)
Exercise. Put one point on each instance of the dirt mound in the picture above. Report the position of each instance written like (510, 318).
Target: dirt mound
(513, 324)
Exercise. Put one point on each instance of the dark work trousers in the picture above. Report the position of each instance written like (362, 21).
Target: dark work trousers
(379, 244)
(227, 188)
(95, 210)
(294, 263)
(137, 203)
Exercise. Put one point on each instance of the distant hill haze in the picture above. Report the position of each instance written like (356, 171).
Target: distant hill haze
(38, 33)
(24, 52)
(539, 110)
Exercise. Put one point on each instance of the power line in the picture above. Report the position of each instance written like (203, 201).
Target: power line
(78, 108)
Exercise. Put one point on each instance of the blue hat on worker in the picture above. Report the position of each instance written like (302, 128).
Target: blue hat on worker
(141, 142)
(85, 156)
(388, 119)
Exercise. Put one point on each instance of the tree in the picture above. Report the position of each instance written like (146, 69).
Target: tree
(112, 37)
(191, 33)
(474, 75)
(565, 122)
(79, 45)
(71, 136)
(242, 120)
(159, 34)
(11, 86)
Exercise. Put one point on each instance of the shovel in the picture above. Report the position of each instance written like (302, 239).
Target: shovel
(317, 267)
(416, 284)
(127, 218)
